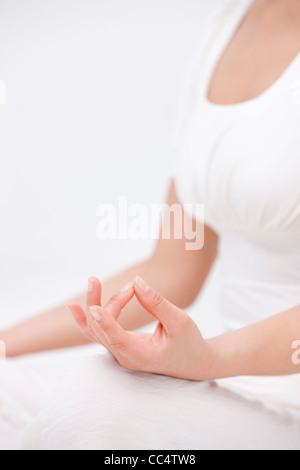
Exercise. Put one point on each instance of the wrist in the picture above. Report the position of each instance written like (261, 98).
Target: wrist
(212, 366)
(207, 364)
(221, 362)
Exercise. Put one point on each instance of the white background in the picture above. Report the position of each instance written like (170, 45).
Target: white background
(91, 96)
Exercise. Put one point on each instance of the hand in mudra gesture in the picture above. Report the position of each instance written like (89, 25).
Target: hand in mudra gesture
(176, 348)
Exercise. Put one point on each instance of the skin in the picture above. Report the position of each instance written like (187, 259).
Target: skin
(265, 43)
(263, 46)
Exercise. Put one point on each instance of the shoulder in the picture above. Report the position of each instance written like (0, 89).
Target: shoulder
(217, 17)
(227, 11)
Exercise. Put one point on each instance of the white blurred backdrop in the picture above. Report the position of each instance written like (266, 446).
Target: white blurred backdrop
(91, 96)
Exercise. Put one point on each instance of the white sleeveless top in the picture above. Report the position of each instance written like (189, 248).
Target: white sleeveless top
(242, 162)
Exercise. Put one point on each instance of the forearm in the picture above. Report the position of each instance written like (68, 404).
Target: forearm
(261, 349)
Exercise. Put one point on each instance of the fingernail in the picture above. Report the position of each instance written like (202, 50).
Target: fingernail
(127, 287)
(95, 313)
(143, 287)
(91, 285)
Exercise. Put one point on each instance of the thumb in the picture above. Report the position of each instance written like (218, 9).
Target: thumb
(165, 312)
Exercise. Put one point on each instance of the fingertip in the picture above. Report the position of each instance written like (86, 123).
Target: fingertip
(140, 285)
(90, 285)
(77, 313)
(127, 288)
(70, 307)
(93, 283)
(96, 307)
(94, 292)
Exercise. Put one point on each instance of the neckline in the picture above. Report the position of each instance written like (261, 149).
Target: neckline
(217, 55)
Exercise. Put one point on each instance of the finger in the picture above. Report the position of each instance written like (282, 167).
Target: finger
(93, 296)
(117, 338)
(94, 292)
(98, 335)
(119, 301)
(80, 318)
(165, 312)
(78, 314)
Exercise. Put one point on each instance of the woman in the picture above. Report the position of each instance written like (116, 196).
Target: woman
(239, 144)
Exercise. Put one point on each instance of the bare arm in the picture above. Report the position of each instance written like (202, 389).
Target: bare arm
(177, 273)
(270, 347)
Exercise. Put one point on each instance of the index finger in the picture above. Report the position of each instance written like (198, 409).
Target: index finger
(93, 296)
(118, 302)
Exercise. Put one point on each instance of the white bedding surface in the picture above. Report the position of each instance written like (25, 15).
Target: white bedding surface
(25, 383)
(92, 403)
(9, 437)
(99, 405)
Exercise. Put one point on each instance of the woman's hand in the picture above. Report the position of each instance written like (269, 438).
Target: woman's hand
(176, 349)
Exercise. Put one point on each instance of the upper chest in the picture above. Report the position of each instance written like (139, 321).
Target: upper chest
(256, 56)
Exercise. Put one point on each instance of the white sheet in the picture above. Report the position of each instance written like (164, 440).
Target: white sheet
(58, 401)
(25, 383)
(9, 437)
(99, 405)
